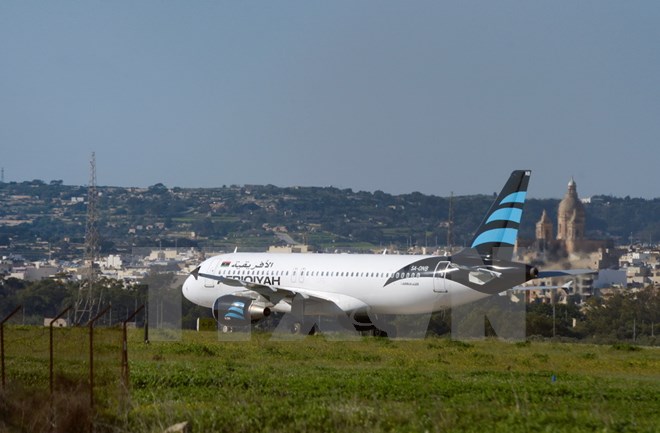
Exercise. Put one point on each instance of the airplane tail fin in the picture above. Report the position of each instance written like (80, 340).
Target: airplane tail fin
(496, 236)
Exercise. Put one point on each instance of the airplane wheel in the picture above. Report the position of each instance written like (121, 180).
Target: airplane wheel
(226, 329)
(296, 328)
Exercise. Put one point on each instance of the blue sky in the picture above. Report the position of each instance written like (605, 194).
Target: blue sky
(397, 96)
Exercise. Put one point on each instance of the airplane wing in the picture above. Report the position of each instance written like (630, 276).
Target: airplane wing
(275, 294)
(518, 289)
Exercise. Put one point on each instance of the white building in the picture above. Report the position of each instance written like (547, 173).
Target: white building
(112, 262)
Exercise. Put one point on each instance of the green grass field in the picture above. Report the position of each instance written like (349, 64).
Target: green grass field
(370, 385)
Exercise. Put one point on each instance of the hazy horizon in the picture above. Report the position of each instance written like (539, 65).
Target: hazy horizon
(341, 187)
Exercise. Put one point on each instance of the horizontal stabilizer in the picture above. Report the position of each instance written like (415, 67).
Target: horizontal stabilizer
(565, 273)
(524, 288)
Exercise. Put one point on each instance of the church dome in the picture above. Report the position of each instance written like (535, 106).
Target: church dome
(571, 215)
(571, 203)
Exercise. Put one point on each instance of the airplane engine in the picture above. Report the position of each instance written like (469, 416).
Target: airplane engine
(531, 272)
(237, 310)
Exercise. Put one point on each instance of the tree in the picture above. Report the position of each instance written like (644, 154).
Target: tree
(627, 315)
(9, 290)
(43, 298)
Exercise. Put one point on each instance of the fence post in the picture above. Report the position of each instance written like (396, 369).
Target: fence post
(124, 350)
(50, 330)
(91, 354)
(2, 342)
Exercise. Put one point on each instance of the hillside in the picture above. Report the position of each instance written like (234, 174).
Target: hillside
(37, 214)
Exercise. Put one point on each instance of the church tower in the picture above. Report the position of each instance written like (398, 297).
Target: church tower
(544, 228)
(571, 218)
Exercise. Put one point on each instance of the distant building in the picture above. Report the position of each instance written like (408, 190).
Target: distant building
(289, 249)
(112, 262)
(544, 230)
(610, 278)
(59, 323)
(161, 255)
(35, 272)
(571, 221)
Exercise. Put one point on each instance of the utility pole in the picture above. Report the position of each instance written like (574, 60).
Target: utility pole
(554, 328)
(87, 304)
(450, 224)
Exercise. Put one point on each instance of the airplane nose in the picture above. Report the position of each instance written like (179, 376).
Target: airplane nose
(195, 291)
(187, 288)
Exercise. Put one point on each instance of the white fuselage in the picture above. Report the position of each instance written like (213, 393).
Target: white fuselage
(368, 278)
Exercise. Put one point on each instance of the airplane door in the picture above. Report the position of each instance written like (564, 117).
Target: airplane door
(439, 277)
(302, 275)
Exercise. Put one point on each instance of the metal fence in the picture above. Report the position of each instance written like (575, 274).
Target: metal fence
(60, 379)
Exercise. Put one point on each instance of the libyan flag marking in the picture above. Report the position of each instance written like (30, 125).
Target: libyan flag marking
(225, 264)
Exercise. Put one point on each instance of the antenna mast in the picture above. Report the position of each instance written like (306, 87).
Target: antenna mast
(450, 223)
(87, 304)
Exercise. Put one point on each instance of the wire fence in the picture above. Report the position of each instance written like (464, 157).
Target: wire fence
(57, 378)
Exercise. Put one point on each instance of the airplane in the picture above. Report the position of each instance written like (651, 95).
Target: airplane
(242, 288)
